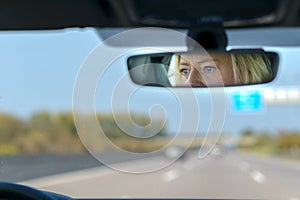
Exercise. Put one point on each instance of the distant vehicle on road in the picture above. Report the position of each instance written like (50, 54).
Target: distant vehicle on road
(175, 152)
(218, 151)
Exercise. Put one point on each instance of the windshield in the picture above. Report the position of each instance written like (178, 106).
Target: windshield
(73, 122)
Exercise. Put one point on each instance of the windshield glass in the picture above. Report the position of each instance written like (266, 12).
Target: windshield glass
(73, 122)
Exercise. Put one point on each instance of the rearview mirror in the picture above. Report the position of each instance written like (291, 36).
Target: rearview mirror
(200, 69)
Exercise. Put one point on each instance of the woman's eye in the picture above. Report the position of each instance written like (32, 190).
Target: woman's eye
(185, 72)
(209, 69)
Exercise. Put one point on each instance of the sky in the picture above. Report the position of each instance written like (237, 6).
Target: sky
(39, 69)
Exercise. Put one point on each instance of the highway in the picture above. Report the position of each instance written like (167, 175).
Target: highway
(233, 175)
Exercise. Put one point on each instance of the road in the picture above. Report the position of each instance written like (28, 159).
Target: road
(234, 175)
(23, 167)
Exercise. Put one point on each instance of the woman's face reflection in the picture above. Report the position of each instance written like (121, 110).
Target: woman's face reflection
(200, 70)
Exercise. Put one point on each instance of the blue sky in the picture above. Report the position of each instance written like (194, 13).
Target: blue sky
(38, 70)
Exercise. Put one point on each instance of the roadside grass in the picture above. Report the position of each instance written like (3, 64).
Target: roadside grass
(285, 145)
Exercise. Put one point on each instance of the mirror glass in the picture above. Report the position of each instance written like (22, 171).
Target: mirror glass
(199, 69)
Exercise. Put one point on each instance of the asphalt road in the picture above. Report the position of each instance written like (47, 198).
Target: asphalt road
(234, 175)
(23, 167)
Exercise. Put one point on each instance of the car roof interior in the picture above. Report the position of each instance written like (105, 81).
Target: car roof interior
(58, 14)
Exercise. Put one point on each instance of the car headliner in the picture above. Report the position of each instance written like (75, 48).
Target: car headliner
(57, 14)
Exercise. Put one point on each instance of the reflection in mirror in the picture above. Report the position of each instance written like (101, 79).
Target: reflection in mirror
(203, 69)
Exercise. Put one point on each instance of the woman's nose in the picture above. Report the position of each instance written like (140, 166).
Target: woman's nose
(195, 79)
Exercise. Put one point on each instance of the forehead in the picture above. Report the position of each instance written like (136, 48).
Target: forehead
(200, 57)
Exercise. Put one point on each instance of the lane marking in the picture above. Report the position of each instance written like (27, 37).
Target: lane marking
(243, 166)
(293, 198)
(170, 175)
(258, 177)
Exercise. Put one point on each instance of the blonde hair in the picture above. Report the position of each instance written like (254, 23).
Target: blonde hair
(251, 68)
(247, 69)
(173, 72)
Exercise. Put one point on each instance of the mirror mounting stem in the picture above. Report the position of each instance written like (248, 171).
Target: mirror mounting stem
(210, 36)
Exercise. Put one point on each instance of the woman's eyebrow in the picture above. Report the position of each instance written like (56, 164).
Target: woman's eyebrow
(184, 63)
(208, 60)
